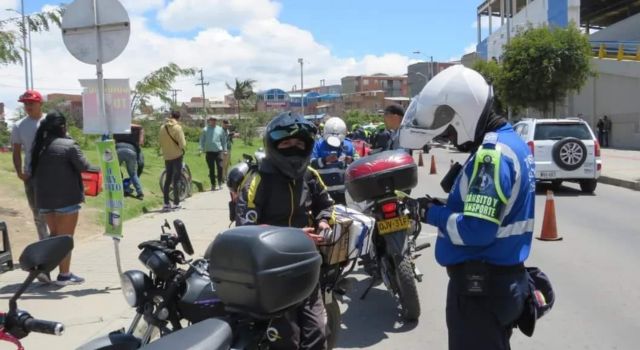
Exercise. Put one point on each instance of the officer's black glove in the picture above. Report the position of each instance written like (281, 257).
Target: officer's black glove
(423, 206)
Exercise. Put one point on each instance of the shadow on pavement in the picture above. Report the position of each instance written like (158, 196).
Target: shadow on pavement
(367, 322)
(51, 291)
(561, 191)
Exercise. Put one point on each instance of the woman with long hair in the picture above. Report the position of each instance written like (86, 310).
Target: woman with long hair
(56, 165)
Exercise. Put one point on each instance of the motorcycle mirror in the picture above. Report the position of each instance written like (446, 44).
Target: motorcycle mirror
(39, 257)
(183, 236)
(46, 254)
(165, 225)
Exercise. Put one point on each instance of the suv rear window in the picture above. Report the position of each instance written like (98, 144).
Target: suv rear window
(559, 131)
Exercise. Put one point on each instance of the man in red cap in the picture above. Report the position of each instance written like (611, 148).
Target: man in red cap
(22, 136)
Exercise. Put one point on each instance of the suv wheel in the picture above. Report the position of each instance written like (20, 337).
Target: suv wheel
(569, 153)
(589, 185)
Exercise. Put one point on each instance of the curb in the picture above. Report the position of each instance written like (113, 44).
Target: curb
(632, 185)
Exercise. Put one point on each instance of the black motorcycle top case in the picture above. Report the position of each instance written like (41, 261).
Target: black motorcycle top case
(381, 174)
(263, 270)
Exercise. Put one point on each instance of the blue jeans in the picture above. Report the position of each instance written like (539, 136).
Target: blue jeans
(130, 159)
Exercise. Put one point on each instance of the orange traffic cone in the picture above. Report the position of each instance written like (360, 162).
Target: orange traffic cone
(433, 165)
(549, 229)
(420, 162)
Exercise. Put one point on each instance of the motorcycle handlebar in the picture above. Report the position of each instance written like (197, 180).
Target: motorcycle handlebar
(43, 326)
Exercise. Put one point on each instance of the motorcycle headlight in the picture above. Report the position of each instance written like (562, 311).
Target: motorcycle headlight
(135, 285)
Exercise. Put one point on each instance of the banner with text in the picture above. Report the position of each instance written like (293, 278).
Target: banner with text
(112, 188)
(117, 99)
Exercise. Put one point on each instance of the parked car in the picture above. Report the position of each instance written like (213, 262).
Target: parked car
(564, 149)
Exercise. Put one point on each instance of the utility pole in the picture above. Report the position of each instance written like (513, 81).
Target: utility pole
(174, 95)
(25, 27)
(204, 101)
(301, 61)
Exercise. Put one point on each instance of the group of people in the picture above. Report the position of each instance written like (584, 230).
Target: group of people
(215, 142)
(483, 247)
(51, 172)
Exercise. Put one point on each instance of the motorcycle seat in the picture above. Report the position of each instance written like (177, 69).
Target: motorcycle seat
(210, 334)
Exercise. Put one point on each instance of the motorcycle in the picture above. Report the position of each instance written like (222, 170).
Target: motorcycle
(167, 295)
(378, 180)
(40, 257)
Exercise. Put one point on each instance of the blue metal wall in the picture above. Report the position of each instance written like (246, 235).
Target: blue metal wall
(558, 13)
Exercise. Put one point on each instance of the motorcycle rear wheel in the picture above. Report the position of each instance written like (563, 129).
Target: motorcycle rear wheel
(407, 290)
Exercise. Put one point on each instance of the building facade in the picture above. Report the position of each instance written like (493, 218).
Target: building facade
(418, 74)
(392, 86)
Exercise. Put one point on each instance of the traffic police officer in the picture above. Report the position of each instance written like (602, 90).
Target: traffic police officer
(485, 228)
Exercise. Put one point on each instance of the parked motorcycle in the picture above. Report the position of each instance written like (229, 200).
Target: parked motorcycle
(167, 296)
(40, 257)
(378, 180)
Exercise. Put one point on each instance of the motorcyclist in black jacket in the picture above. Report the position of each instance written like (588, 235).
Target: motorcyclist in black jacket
(285, 191)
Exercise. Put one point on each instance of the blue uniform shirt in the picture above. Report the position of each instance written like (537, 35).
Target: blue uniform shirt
(489, 215)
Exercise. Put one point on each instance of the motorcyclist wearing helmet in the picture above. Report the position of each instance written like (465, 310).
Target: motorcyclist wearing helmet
(486, 225)
(331, 156)
(285, 191)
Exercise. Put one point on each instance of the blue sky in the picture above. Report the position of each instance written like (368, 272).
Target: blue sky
(354, 28)
(260, 40)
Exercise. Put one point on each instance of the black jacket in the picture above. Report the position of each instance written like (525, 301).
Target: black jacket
(267, 197)
(57, 177)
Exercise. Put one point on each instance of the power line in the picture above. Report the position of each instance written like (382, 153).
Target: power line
(204, 101)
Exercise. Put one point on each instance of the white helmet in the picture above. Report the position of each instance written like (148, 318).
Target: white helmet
(458, 98)
(335, 131)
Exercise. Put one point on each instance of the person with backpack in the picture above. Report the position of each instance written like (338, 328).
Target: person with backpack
(172, 145)
(285, 191)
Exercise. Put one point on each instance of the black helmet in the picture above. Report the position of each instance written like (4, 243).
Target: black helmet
(285, 126)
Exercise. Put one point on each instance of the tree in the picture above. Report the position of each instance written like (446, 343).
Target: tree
(11, 48)
(541, 65)
(157, 84)
(492, 72)
(242, 91)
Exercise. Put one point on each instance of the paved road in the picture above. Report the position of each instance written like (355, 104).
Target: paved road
(593, 270)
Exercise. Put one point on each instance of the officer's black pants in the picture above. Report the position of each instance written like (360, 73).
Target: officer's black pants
(303, 327)
(485, 322)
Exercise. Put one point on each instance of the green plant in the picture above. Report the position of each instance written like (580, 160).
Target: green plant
(5, 134)
(541, 65)
(11, 48)
(353, 117)
(157, 84)
(492, 72)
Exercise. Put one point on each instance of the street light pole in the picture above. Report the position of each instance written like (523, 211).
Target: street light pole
(24, 46)
(301, 61)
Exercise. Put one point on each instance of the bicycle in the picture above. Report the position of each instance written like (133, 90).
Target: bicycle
(184, 183)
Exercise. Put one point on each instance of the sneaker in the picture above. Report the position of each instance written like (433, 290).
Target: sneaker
(44, 277)
(166, 207)
(220, 188)
(68, 279)
(140, 196)
(176, 207)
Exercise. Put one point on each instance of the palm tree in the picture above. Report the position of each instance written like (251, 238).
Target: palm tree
(241, 91)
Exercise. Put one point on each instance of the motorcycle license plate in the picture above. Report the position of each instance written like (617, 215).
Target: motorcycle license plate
(393, 225)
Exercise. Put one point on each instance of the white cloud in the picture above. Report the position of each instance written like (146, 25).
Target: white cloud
(184, 15)
(470, 48)
(484, 20)
(141, 6)
(261, 48)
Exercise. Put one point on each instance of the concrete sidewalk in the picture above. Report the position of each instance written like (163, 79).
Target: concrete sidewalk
(621, 168)
(97, 306)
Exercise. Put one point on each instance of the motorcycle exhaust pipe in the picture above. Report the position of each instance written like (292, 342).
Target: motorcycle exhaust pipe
(423, 246)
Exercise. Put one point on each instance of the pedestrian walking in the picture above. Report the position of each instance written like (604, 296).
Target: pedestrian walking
(56, 163)
(173, 146)
(213, 142)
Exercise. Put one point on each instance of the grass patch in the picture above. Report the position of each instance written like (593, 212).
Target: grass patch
(154, 165)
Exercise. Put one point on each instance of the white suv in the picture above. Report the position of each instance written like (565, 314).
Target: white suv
(564, 150)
